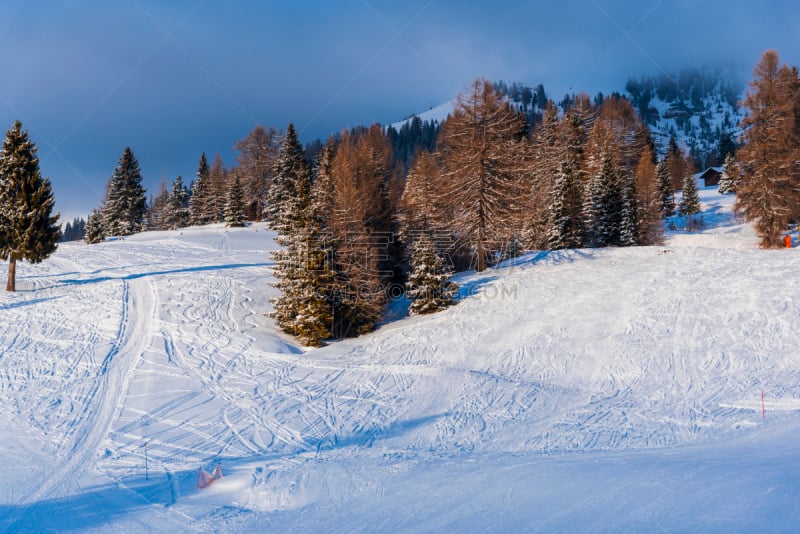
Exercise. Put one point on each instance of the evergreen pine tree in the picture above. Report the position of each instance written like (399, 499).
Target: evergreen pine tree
(593, 211)
(304, 273)
(665, 189)
(690, 202)
(199, 202)
(94, 228)
(727, 182)
(428, 286)
(559, 223)
(286, 271)
(303, 268)
(291, 171)
(315, 285)
(322, 198)
(234, 207)
(66, 233)
(28, 228)
(74, 231)
(126, 204)
(545, 149)
(178, 205)
(629, 216)
(565, 202)
(605, 205)
(725, 146)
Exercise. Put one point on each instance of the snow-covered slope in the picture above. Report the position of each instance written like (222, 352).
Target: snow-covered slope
(698, 129)
(436, 114)
(576, 390)
(699, 110)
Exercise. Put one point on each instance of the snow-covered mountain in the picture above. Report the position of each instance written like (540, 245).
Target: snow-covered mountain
(699, 107)
(611, 389)
(436, 115)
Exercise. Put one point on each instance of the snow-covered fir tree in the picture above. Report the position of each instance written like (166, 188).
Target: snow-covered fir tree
(291, 171)
(303, 268)
(727, 182)
(75, 230)
(428, 286)
(545, 147)
(565, 230)
(629, 216)
(604, 206)
(28, 228)
(690, 201)
(565, 224)
(95, 232)
(593, 211)
(665, 189)
(126, 204)
(200, 208)
(178, 205)
(313, 287)
(304, 274)
(234, 207)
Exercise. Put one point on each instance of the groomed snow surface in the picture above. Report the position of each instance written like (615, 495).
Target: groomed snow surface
(585, 390)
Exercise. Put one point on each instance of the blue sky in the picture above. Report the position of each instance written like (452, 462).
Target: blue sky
(173, 78)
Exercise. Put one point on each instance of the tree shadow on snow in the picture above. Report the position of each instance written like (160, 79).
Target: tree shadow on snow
(95, 506)
(367, 436)
(22, 303)
(103, 505)
(135, 276)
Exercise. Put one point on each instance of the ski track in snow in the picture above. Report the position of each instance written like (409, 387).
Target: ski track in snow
(159, 346)
(90, 425)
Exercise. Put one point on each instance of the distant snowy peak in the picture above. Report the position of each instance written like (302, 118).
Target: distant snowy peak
(440, 113)
(436, 114)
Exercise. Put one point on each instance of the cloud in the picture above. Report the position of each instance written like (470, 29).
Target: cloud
(94, 77)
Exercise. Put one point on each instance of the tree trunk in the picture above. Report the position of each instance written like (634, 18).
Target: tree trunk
(12, 273)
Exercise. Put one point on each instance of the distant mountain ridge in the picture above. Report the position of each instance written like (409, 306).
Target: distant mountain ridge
(698, 106)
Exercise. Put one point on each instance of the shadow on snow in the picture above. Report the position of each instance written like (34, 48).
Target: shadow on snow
(102, 505)
(135, 276)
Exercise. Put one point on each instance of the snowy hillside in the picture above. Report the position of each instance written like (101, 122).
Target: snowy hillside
(696, 127)
(608, 389)
(436, 114)
(698, 107)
